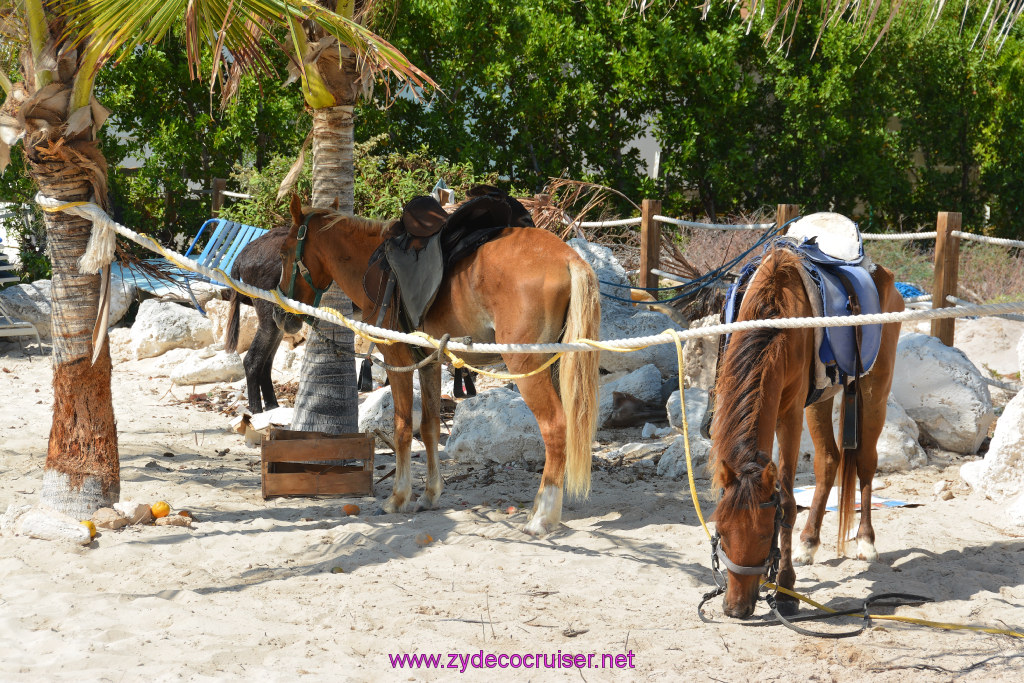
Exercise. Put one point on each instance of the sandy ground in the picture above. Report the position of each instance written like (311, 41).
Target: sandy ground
(254, 591)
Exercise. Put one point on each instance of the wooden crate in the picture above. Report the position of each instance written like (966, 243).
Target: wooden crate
(298, 464)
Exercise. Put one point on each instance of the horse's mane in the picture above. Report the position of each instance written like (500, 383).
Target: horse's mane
(351, 222)
(751, 359)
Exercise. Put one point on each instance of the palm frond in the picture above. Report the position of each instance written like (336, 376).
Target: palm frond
(237, 25)
(873, 17)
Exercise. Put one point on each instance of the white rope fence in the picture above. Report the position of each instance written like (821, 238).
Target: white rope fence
(897, 236)
(867, 237)
(956, 301)
(714, 226)
(1001, 241)
(889, 237)
(105, 229)
(610, 224)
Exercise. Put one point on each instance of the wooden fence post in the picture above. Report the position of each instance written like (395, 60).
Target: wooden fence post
(650, 243)
(785, 213)
(219, 185)
(947, 263)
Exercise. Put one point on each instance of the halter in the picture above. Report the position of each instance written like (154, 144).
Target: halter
(299, 267)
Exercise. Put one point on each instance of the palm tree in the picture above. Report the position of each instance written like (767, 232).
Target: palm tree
(327, 399)
(52, 110)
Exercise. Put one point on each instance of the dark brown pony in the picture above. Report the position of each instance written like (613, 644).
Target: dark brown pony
(259, 265)
(525, 286)
(760, 394)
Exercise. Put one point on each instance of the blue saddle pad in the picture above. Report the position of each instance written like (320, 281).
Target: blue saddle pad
(838, 346)
(840, 343)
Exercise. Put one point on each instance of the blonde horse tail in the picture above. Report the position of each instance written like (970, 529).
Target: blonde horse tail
(847, 476)
(577, 376)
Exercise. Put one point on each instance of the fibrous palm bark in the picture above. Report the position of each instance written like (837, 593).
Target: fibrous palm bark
(57, 124)
(327, 399)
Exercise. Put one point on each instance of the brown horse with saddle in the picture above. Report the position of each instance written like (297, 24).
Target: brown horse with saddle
(484, 275)
(769, 379)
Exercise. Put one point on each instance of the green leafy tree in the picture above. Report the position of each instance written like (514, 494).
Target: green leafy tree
(948, 99)
(384, 182)
(706, 100)
(1002, 149)
(829, 139)
(530, 90)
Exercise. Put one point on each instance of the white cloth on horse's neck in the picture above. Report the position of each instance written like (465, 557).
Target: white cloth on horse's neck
(837, 235)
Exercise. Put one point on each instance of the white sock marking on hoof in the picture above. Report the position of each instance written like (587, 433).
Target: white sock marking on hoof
(547, 511)
(804, 554)
(866, 551)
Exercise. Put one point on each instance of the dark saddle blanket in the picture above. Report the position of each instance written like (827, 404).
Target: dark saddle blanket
(407, 269)
(839, 283)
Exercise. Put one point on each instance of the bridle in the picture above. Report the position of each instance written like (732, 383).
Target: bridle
(770, 566)
(299, 267)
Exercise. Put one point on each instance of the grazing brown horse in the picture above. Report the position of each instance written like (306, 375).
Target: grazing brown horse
(525, 286)
(763, 384)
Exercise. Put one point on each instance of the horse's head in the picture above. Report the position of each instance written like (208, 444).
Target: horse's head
(747, 525)
(303, 275)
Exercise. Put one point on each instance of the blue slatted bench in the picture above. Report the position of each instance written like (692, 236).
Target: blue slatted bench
(227, 239)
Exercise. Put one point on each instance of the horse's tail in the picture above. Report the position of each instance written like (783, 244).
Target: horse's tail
(847, 476)
(231, 335)
(577, 376)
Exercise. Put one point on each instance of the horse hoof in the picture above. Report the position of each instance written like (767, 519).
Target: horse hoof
(536, 528)
(866, 551)
(787, 608)
(804, 555)
(424, 503)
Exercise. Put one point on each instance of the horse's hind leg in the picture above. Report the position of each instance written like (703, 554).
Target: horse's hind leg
(401, 394)
(430, 432)
(266, 380)
(874, 396)
(253, 364)
(826, 464)
(256, 362)
(457, 388)
(539, 393)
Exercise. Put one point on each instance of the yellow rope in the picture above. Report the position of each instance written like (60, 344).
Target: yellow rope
(686, 432)
(459, 363)
(69, 205)
(949, 626)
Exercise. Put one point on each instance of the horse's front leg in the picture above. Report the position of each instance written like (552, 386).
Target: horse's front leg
(430, 432)
(401, 394)
(788, 432)
(826, 464)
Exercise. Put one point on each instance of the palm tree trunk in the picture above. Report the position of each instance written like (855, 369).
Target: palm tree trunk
(327, 399)
(82, 470)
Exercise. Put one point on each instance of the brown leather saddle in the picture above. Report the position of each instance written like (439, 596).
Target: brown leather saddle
(406, 271)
